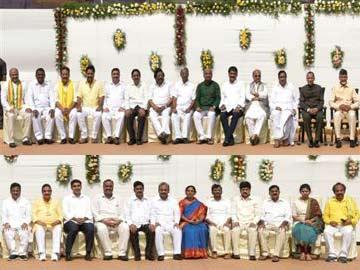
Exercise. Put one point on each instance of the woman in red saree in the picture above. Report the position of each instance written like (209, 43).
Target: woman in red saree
(195, 233)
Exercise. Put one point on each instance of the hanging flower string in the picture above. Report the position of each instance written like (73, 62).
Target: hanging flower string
(119, 39)
(238, 167)
(207, 59)
(217, 170)
(309, 45)
(154, 61)
(280, 58)
(92, 166)
(337, 57)
(266, 170)
(245, 38)
(63, 173)
(180, 37)
(84, 63)
(125, 172)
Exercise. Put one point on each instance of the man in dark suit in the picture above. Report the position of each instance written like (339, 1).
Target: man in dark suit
(2, 78)
(311, 104)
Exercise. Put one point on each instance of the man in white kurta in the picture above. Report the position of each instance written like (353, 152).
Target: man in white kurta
(16, 218)
(108, 219)
(13, 102)
(232, 104)
(114, 108)
(275, 216)
(257, 106)
(41, 100)
(160, 99)
(183, 102)
(219, 220)
(245, 216)
(165, 217)
(284, 100)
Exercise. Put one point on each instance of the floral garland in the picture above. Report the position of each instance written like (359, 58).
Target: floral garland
(313, 157)
(217, 170)
(338, 7)
(10, 159)
(266, 170)
(245, 38)
(207, 59)
(154, 61)
(84, 63)
(280, 58)
(125, 172)
(238, 167)
(337, 57)
(63, 173)
(351, 168)
(309, 45)
(164, 157)
(180, 38)
(61, 33)
(92, 166)
(119, 39)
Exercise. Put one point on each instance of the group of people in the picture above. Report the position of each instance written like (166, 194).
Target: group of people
(179, 103)
(194, 226)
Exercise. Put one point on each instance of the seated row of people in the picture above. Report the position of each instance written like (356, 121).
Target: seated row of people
(193, 225)
(181, 103)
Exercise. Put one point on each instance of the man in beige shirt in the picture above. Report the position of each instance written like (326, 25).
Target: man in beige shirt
(345, 101)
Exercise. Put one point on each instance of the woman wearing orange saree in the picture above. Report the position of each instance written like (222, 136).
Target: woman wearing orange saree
(195, 233)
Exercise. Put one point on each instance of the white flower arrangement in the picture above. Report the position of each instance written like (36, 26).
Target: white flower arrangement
(92, 166)
(217, 170)
(351, 168)
(238, 167)
(125, 172)
(84, 63)
(280, 58)
(337, 57)
(266, 170)
(154, 61)
(119, 39)
(63, 173)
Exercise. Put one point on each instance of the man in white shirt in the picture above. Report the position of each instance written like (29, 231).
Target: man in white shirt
(16, 218)
(284, 100)
(108, 218)
(245, 216)
(232, 104)
(13, 102)
(137, 215)
(136, 106)
(219, 220)
(160, 100)
(41, 100)
(165, 217)
(275, 216)
(256, 107)
(78, 217)
(114, 107)
(183, 102)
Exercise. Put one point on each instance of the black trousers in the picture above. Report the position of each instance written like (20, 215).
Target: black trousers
(150, 238)
(318, 126)
(229, 129)
(72, 229)
(141, 124)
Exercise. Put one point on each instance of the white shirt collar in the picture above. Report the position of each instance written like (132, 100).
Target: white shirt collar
(111, 198)
(134, 198)
(279, 200)
(74, 196)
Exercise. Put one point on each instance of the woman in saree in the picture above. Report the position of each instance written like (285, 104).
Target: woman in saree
(195, 232)
(308, 222)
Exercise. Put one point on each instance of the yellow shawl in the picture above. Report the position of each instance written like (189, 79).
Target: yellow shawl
(17, 104)
(66, 94)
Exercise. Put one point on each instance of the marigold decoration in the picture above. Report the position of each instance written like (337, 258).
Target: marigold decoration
(238, 167)
(313, 157)
(154, 61)
(245, 38)
(280, 58)
(61, 34)
(63, 173)
(266, 170)
(84, 63)
(180, 38)
(351, 168)
(119, 39)
(207, 59)
(309, 45)
(92, 166)
(10, 159)
(125, 172)
(337, 57)
(164, 157)
(217, 170)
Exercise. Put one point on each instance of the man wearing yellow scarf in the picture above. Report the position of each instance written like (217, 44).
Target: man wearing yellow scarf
(13, 101)
(65, 102)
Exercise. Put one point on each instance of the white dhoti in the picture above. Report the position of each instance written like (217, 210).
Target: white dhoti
(181, 122)
(283, 125)
(164, 125)
(11, 118)
(38, 127)
(254, 118)
(346, 232)
(103, 232)
(81, 117)
(159, 238)
(59, 121)
(107, 120)
(56, 238)
(198, 116)
(24, 236)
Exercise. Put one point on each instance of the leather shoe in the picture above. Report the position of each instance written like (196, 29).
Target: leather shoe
(225, 143)
(131, 142)
(107, 258)
(12, 145)
(275, 259)
(63, 141)
(27, 142)
(316, 144)
(47, 141)
(186, 140)
(68, 258)
(139, 142)
(71, 141)
(150, 258)
(160, 258)
(311, 144)
(236, 257)
(82, 141)
(88, 257)
(40, 142)
(117, 141)
(137, 259)
(352, 143)
(338, 143)
(123, 258)
(177, 257)
(109, 140)
(252, 258)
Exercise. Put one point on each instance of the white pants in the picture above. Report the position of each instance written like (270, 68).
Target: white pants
(107, 123)
(252, 238)
(182, 130)
(37, 125)
(11, 244)
(56, 238)
(255, 124)
(11, 118)
(283, 125)
(159, 238)
(280, 239)
(164, 126)
(346, 232)
(59, 120)
(198, 124)
(81, 117)
(103, 232)
(214, 231)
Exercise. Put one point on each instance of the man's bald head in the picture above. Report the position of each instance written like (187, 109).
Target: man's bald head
(14, 74)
